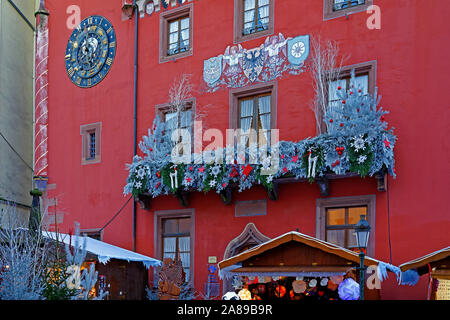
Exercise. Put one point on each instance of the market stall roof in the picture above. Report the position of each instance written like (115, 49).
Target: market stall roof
(289, 247)
(439, 259)
(104, 251)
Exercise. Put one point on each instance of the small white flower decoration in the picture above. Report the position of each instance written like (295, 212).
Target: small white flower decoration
(138, 184)
(141, 173)
(212, 183)
(269, 179)
(359, 143)
(215, 170)
(362, 158)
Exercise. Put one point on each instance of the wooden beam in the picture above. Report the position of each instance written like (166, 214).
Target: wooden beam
(183, 198)
(226, 196)
(273, 193)
(381, 181)
(324, 186)
(143, 200)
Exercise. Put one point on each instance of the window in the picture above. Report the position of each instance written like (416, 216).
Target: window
(91, 151)
(365, 78)
(339, 8)
(340, 224)
(255, 113)
(256, 16)
(253, 19)
(178, 36)
(183, 120)
(90, 145)
(336, 218)
(175, 233)
(176, 33)
(253, 110)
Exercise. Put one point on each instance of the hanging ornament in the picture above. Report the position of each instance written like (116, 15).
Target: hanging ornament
(387, 144)
(348, 289)
(299, 286)
(312, 162)
(173, 180)
(312, 283)
(244, 294)
(261, 289)
(280, 291)
(323, 282)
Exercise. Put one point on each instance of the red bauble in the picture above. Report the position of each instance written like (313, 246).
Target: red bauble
(331, 120)
(339, 88)
(343, 101)
(337, 162)
(339, 152)
(337, 149)
(341, 125)
(333, 164)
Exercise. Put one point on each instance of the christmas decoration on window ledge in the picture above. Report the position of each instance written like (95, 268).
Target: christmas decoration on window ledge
(357, 141)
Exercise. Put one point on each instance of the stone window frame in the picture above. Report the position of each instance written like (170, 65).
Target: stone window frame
(322, 204)
(85, 131)
(174, 214)
(164, 18)
(238, 24)
(329, 14)
(258, 89)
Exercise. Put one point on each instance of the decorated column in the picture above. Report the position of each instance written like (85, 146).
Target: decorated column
(41, 95)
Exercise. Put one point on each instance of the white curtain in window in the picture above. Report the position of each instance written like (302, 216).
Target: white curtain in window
(249, 4)
(362, 82)
(249, 16)
(333, 97)
(246, 119)
(171, 121)
(170, 247)
(185, 255)
(246, 115)
(186, 118)
(263, 12)
(264, 115)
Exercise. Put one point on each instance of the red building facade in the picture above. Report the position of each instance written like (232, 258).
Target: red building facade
(404, 59)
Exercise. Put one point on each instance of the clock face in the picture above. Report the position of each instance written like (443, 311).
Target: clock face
(298, 49)
(90, 51)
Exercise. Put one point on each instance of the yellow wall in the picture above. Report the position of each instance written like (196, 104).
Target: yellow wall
(16, 101)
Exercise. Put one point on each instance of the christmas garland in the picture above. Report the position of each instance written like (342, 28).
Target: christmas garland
(357, 141)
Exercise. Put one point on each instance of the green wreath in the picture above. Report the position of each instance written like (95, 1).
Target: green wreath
(165, 173)
(360, 159)
(316, 151)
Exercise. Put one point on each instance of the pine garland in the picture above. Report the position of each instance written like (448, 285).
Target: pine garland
(357, 140)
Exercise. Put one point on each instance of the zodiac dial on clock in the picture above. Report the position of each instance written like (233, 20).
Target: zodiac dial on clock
(90, 51)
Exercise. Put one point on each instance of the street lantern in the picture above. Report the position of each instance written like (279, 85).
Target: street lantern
(362, 231)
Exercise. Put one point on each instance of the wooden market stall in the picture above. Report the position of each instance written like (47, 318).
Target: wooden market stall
(437, 266)
(304, 266)
(123, 273)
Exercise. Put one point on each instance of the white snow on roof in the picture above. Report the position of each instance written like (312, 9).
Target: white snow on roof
(104, 251)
